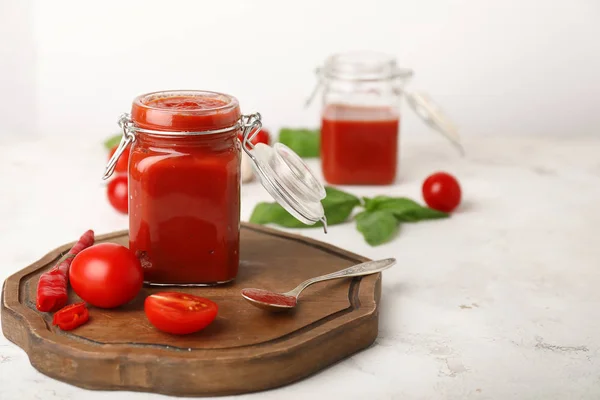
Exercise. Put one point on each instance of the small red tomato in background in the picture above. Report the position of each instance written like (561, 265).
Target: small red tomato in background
(118, 193)
(441, 192)
(106, 275)
(123, 161)
(262, 136)
(179, 313)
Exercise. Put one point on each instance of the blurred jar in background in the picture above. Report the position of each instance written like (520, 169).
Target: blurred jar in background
(360, 117)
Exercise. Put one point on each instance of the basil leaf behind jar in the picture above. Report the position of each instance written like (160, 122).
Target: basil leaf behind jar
(338, 206)
(304, 142)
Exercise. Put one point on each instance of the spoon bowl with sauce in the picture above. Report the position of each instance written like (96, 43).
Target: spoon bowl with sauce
(273, 301)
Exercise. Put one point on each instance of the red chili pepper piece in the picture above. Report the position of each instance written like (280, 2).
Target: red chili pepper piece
(52, 286)
(71, 316)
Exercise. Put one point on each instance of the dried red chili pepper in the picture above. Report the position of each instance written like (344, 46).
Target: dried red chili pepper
(52, 286)
(71, 316)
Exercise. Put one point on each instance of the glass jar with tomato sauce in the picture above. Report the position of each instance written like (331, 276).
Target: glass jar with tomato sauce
(360, 117)
(184, 184)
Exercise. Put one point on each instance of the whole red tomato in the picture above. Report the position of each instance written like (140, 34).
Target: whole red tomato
(118, 194)
(441, 192)
(123, 161)
(261, 137)
(106, 275)
(179, 313)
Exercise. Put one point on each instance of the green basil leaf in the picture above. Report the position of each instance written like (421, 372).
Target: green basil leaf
(304, 142)
(404, 209)
(377, 227)
(113, 141)
(338, 206)
(273, 213)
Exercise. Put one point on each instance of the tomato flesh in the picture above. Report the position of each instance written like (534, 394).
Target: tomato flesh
(106, 275)
(179, 313)
(71, 316)
(441, 192)
(117, 192)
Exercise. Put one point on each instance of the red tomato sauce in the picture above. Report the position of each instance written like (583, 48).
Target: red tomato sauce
(359, 145)
(267, 297)
(184, 210)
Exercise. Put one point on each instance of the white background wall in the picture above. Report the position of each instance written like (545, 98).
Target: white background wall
(496, 66)
(18, 106)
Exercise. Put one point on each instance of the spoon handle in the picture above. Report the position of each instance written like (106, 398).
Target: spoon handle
(366, 268)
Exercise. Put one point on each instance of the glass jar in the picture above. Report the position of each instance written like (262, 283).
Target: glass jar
(360, 117)
(184, 184)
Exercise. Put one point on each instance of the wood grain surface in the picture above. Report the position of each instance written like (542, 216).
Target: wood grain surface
(244, 350)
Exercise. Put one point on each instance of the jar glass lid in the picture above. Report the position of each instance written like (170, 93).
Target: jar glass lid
(285, 176)
(432, 115)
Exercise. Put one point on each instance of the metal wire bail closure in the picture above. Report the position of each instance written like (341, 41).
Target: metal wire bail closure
(128, 137)
(251, 124)
(281, 171)
(129, 131)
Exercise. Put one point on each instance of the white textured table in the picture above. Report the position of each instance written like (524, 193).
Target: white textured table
(499, 302)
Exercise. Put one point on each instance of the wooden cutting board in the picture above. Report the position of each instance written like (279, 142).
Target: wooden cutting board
(244, 350)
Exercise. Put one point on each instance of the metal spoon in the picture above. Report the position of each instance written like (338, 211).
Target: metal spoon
(273, 301)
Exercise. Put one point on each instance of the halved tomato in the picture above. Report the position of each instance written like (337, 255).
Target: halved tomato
(179, 313)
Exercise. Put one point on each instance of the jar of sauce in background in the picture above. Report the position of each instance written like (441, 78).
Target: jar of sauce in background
(184, 184)
(360, 117)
